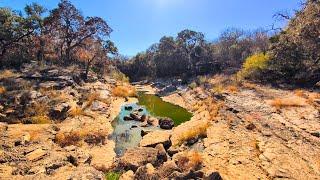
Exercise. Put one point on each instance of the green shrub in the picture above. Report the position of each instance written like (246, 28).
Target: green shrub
(119, 76)
(253, 66)
(112, 176)
(192, 85)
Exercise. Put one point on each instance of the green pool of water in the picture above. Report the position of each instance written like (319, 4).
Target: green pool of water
(159, 108)
(127, 134)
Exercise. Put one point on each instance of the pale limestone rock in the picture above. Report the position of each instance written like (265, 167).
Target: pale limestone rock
(36, 155)
(129, 175)
(155, 137)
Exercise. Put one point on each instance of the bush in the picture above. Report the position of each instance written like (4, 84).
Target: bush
(189, 160)
(2, 90)
(253, 66)
(112, 175)
(124, 91)
(192, 85)
(40, 119)
(119, 76)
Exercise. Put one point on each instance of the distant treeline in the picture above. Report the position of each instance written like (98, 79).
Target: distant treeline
(62, 36)
(190, 54)
(290, 56)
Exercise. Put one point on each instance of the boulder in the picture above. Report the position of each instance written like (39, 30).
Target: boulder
(59, 112)
(189, 175)
(162, 156)
(128, 118)
(166, 123)
(129, 175)
(214, 176)
(135, 116)
(144, 118)
(156, 137)
(36, 155)
(136, 157)
(167, 169)
(146, 172)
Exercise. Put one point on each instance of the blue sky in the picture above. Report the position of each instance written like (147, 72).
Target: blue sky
(139, 23)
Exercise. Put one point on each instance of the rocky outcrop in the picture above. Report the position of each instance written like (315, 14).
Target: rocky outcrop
(134, 158)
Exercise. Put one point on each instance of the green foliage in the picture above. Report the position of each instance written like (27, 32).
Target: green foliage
(112, 176)
(295, 51)
(119, 76)
(192, 85)
(253, 65)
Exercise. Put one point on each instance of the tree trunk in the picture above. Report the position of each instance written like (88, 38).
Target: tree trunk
(87, 70)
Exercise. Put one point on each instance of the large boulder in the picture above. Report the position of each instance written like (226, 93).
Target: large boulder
(136, 157)
(156, 137)
(166, 123)
(167, 169)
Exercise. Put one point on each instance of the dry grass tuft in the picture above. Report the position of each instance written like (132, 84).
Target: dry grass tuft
(199, 130)
(232, 89)
(7, 74)
(76, 138)
(124, 91)
(288, 102)
(40, 119)
(249, 85)
(190, 160)
(77, 111)
(95, 96)
(2, 90)
(299, 93)
(68, 139)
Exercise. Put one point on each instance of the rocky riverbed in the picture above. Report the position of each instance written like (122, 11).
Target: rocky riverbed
(55, 126)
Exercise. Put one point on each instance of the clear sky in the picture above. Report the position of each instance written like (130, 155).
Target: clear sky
(139, 23)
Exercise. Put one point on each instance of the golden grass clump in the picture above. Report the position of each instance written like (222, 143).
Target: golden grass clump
(299, 93)
(232, 89)
(249, 85)
(190, 160)
(288, 102)
(7, 74)
(2, 90)
(124, 91)
(76, 138)
(198, 130)
(92, 97)
(68, 139)
(40, 119)
(77, 111)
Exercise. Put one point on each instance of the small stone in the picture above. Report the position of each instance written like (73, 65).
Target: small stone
(25, 138)
(128, 108)
(143, 133)
(135, 117)
(251, 126)
(144, 118)
(316, 134)
(128, 118)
